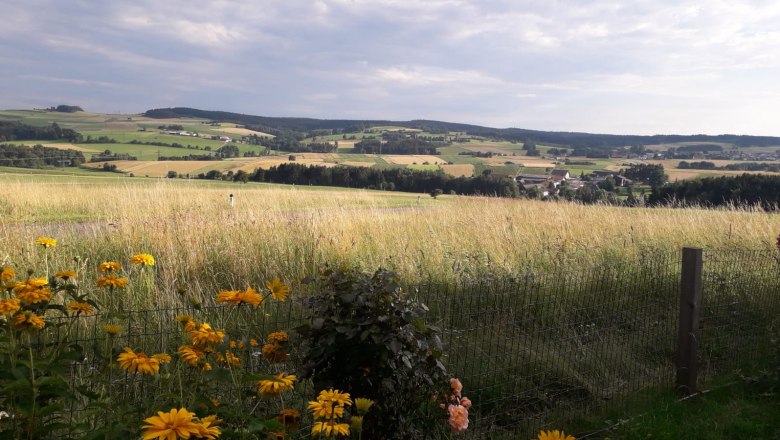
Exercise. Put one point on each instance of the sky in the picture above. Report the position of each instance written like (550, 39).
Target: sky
(638, 67)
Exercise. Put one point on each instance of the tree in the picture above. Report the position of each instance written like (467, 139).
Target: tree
(436, 192)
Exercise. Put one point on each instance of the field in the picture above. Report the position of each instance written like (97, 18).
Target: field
(294, 231)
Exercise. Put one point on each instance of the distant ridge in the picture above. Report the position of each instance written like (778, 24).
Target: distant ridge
(266, 123)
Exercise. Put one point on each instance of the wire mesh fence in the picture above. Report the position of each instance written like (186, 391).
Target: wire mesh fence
(531, 350)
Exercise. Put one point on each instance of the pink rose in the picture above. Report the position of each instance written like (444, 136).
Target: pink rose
(456, 386)
(459, 418)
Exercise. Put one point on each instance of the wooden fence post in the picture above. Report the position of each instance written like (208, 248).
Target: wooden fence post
(688, 335)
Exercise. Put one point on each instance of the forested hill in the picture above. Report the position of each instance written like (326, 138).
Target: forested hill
(574, 139)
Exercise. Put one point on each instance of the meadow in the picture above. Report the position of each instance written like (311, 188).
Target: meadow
(295, 231)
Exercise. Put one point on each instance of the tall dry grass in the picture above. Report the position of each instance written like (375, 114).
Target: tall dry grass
(202, 244)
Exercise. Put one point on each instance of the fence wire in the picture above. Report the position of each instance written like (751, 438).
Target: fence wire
(532, 350)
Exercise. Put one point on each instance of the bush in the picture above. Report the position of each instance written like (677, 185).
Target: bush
(367, 336)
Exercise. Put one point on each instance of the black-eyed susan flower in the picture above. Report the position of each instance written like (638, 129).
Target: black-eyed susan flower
(142, 260)
(274, 352)
(207, 427)
(191, 355)
(7, 274)
(172, 425)
(28, 321)
(325, 410)
(9, 306)
(554, 435)
(112, 281)
(276, 386)
(112, 329)
(205, 335)
(279, 290)
(80, 307)
(46, 242)
(65, 274)
(330, 428)
(138, 362)
(109, 266)
(33, 295)
(363, 405)
(290, 418)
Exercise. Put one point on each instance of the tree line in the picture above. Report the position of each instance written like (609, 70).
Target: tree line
(16, 131)
(38, 156)
(751, 189)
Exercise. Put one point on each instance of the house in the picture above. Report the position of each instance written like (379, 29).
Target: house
(532, 178)
(224, 138)
(560, 174)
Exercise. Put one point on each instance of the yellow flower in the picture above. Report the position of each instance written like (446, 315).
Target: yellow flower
(9, 306)
(229, 359)
(46, 242)
(162, 358)
(191, 355)
(65, 274)
(173, 425)
(138, 362)
(111, 280)
(274, 352)
(279, 336)
(278, 289)
(253, 342)
(325, 410)
(142, 260)
(207, 428)
(290, 418)
(183, 319)
(554, 435)
(31, 284)
(108, 266)
(80, 307)
(7, 274)
(363, 405)
(334, 396)
(30, 295)
(330, 429)
(205, 335)
(277, 386)
(356, 422)
(29, 321)
(112, 329)
(235, 297)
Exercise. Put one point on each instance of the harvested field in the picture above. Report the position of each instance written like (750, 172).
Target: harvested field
(409, 159)
(241, 131)
(459, 170)
(71, 147)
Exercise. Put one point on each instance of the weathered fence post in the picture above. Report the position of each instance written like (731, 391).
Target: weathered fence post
(688, 335)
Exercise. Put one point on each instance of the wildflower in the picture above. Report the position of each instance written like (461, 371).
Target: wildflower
(162, 358)
(240, 345)
(253, 342)
(46, 242)
(356, 423)
(554, 435)
(334, 396)
(207, 428)
(274, 353)
(9, 306)
(325, 410)
(33, 296)
(234, 297)
(465, 402)
(7, 274)
(112, 281)
(278, 337)
(363, 405)
(278, 289)
(459, 418)
(108, 266)
(205, 335)
(138, 362)
(65, 274)
(330, 429)
(112, 329)
(290, 418)
(80, 307)
(191, 355)
(175, 424)
(277, 386)
(29, 321)
(142, 260)
(229, 359)
(30, 285)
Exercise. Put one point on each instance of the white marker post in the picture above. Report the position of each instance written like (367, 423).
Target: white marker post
(231, 200)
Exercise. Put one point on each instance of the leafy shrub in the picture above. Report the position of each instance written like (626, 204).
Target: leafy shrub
(366, 335)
